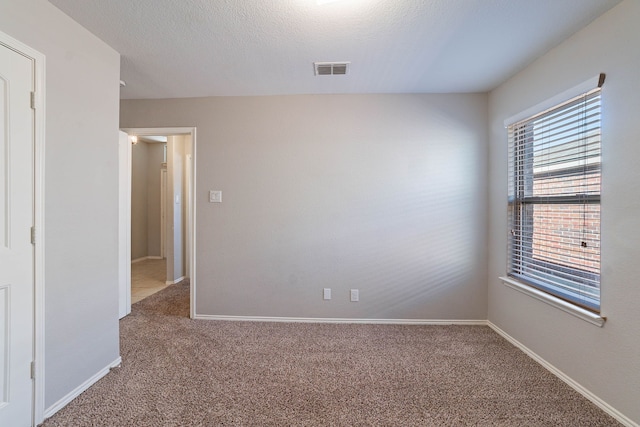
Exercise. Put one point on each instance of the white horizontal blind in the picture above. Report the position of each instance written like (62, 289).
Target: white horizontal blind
(554, 200)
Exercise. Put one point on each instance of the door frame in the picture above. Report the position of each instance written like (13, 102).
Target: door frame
(163, 212)
(124, 224)
(39, 224)
(189, 207)
(191, 219)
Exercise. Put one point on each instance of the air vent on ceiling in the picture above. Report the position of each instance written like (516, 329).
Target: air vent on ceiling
(331, 68)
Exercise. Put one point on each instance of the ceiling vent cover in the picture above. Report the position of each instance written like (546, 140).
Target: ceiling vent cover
(331, 68)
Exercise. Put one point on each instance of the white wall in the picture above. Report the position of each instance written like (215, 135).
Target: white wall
(81, 194)
(604, 360)
(384, 193)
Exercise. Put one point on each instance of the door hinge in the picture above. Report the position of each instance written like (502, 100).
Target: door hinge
(33, 100)
(33, 235)
(33, 370)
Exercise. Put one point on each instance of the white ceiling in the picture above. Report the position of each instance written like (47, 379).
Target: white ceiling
(190, 48)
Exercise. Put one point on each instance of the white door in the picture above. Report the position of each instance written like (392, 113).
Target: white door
(16, 251)
(124, 225)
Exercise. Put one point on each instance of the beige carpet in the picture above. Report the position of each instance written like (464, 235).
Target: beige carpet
(181, 372)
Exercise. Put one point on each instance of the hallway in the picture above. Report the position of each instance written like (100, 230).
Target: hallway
(147, 278)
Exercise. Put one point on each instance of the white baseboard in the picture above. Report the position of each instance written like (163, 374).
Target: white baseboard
(81, 388)
(341, 320)
(173, 282)
(568, 380)
(144, 258)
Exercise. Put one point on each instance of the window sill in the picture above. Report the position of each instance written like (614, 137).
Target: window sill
(567, 307)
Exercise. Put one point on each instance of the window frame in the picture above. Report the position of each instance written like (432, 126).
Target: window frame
(588, 308)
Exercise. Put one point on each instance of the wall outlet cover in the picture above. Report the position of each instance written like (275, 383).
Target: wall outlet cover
(215, 196)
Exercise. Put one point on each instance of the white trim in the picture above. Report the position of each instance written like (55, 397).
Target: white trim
(81, 388)
(144, 258)
(159, 131)
(39, 61)
(163, 208)
(567, 307)
(566, 379)
(39, 208)
(342, 320)
(192, 261)
(189, 225)
(124, 224)
(568, 94)
(192, 132)
(173, 282)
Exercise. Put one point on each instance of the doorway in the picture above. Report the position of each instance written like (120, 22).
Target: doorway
(148, 199)
(172, 249)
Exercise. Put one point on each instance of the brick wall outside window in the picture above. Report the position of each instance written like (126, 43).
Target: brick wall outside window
(562, 231)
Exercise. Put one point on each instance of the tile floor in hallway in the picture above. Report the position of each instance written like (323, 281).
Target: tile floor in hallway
(147, 278)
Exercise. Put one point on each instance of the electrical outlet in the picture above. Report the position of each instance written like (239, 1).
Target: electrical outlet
(215, 196)
(326, 293)
(355, 295)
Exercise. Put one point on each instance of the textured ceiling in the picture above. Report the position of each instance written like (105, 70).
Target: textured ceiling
(192, 48)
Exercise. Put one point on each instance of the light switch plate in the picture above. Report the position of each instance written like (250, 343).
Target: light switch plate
(326, 293)
(215, 196)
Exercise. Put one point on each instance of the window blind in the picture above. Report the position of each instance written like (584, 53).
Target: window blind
(554, 200)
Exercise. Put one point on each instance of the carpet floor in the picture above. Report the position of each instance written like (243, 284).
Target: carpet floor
(182, 372)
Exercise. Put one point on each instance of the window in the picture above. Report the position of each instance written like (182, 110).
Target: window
(554, 200)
